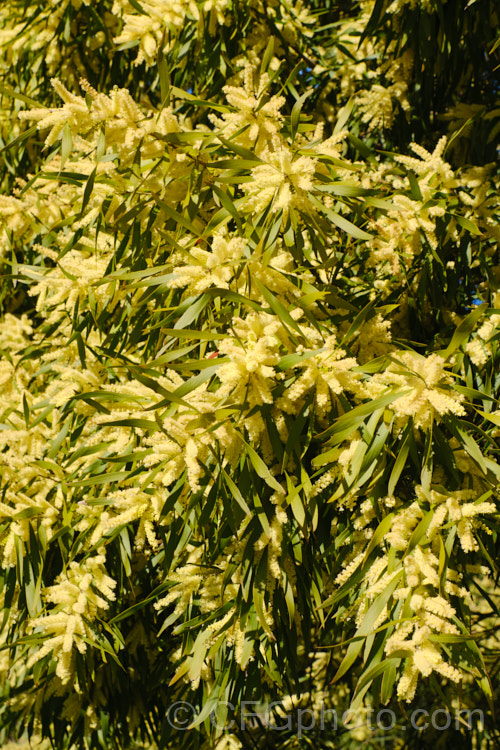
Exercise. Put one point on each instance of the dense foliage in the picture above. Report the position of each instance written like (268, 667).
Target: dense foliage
(250, 367)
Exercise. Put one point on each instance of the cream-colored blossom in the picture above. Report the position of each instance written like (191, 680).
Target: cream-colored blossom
(80, 593)
(456, 506)
(253, 354)
(282, 181)
(431, 166)
(426, 387)
(378, 104)
(215, 266)
(255, 119)
(327, 373)
(126, 123)
(149, 29)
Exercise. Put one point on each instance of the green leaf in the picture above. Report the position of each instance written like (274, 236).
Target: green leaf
(236, 493)
(292, 360)
(66, 144)
(238, 164)
(400, 462)
(368, 676)
(198, 656)
(267, 56)
(278, 308)
(245, 153)
(260, 468)
(258, 591)
(295, 116)
(31, 512)
(388, 680)
(421, 530)
(138, 7)
(468, 225)
(470, 445)
(20, 138)
(344, 189)
(142, 424)
(89, 187)
(464, 330)
(341, 222)
(164, 76)
(350, 421)
(366, 627)
(295, 501)
(229, 206)
(379, 535)
(416, 193)
(343, 115)
(493, 417)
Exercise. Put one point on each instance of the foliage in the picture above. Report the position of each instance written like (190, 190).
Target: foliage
(250, 373)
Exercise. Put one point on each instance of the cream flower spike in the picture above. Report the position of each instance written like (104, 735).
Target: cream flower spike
(431, 165)
(260, 122)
